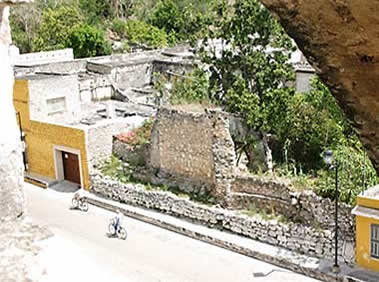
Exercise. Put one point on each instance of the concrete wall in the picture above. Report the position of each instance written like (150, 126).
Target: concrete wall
(43, 57)
(133, 75)
(100, 136)
(95, 88)
(44, 89)
(303, 81)
(363, 239)
(74, 66)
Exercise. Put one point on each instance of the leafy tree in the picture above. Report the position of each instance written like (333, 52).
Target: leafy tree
(355, 173)
(98, 11)
(166, 15)
(138, 32)
(88, 41)
(57, 24)
(249, 73)
(186, 89)
(182, 20)
(314, 123)
(25, 21)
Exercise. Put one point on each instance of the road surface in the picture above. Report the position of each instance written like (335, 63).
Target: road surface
(81, 251)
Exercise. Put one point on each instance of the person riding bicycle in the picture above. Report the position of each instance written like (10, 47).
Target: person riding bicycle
(118, 220)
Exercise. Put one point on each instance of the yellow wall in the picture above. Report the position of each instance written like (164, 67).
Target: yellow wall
(363, 230)
(41, 138)
(367, 202)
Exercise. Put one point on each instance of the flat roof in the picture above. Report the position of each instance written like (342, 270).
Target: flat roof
(366, 212)
(371, 193)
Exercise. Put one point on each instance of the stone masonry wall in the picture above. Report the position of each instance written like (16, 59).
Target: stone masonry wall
(182, 145)
(315, 242)
(305, 207)
(188, 146)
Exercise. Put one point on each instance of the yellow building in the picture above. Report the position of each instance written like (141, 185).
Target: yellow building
(367, 228)
(54, 151)
(68, 133)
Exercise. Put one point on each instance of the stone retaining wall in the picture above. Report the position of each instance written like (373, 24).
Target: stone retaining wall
(308, 240)
(305, 207)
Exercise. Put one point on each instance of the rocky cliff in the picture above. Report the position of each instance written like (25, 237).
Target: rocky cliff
(340, 38)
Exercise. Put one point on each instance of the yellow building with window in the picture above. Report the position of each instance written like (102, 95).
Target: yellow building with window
(53, 151)
(367, 228)
(66, 134)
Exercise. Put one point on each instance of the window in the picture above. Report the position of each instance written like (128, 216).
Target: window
(375, 241)
(56, 105)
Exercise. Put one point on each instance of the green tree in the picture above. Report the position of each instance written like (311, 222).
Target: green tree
(139, 32)
(314, 123)
(250, 69)
(57, 24)
(88, 41)
(182, 20)
(184, 89)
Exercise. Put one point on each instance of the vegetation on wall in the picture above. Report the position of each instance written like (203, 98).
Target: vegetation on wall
(139, 135)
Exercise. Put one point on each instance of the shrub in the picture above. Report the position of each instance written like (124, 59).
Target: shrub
(355, 174)
(57, 24)
(88, 41)
(138, 32)
(138, 136)
(192, 88)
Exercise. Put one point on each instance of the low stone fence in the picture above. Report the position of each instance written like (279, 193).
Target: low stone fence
(305, 207)
(304, 239)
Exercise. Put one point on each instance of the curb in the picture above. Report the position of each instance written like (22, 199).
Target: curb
(281, 262)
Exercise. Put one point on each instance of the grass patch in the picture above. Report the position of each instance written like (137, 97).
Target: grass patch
(264, 214)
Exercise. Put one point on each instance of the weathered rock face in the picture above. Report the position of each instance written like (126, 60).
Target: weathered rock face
(12, 201)
(340, 39)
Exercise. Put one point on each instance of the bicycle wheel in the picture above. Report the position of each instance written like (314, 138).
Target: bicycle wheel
(83, 205)
(122, 234)
(111, 229)
(75, 203)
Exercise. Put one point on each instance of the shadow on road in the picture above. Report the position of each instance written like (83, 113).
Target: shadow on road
(65, 187)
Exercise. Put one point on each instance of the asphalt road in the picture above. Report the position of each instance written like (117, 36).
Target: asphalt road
(81, 251)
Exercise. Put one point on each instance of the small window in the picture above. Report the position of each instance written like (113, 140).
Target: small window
(56, 105)
(375, 241)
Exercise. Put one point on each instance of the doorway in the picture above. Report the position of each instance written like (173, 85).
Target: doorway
(68, 164)
(71, 169)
